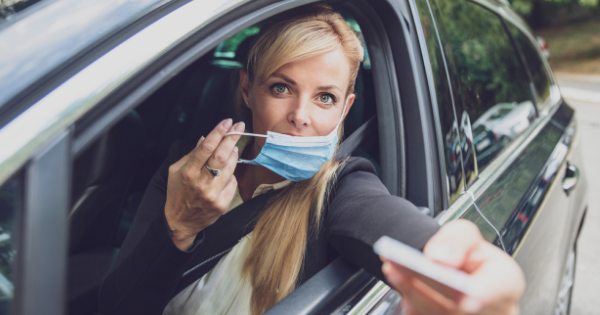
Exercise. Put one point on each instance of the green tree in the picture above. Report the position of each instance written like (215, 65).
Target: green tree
(539, 12)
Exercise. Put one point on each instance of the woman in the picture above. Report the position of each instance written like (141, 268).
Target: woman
(213, 236)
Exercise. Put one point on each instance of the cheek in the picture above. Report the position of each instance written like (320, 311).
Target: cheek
(325, 120)
(267, 112)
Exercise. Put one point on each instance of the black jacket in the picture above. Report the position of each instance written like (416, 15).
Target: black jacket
(150, 270)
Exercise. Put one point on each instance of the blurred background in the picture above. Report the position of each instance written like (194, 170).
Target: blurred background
(569, 32)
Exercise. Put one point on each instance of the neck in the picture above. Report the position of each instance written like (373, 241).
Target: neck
(249, 177)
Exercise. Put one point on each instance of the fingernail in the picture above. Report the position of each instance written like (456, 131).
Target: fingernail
(227, 123)
(200, 141)
(470, 305)
(239, 126)
(235, 149)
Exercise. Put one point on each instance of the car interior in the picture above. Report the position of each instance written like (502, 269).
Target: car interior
(110, 176)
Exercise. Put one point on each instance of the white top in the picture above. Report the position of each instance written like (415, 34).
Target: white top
(223, 290)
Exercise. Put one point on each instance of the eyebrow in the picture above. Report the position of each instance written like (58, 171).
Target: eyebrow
(292, 82)
(329, 87)
(285, 78)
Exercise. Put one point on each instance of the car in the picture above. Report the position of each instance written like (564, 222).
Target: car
(499, 125)
(95, 92)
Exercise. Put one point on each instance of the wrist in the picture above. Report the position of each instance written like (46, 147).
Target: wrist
(182, 236)
(183, 240)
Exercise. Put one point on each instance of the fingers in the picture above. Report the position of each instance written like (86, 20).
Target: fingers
(200, 155)
(227, 169)
(219, 158)
(228, 192)
(452, 244)
(441, 288)
(498, 276)
(422, 299)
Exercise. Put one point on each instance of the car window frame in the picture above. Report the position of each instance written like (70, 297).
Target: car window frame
(40, 263)
(96, 122)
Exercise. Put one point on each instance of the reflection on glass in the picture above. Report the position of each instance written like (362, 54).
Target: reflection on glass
(498, 126)
(535, 64)
(489, 83)
(10, 203)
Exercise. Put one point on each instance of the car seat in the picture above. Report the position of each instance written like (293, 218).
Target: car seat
(107, 168)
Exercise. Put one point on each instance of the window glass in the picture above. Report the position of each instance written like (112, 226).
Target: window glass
(537, 68)
(228, 48)
(443, 96)
(490, 86)
(11, 203)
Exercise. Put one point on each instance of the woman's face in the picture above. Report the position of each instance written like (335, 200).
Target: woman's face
(302, 98)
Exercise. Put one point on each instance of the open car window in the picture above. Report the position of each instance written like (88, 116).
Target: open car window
(110, 176)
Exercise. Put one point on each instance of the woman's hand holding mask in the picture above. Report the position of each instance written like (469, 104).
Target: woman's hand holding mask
(195, 197)
(458, 244)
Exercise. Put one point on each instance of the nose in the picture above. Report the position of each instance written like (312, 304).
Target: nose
(299, 116)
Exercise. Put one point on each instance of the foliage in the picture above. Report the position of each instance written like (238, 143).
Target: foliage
(525, 7)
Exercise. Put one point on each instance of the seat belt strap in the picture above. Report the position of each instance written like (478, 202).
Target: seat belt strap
(366, 131)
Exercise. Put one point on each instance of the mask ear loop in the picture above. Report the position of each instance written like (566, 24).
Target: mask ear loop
(245, 134)
(265, 136)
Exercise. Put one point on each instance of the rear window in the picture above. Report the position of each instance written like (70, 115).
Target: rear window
(489, 82)
(535, 64)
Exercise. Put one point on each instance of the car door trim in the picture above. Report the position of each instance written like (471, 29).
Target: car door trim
(557, 179)
(42, 283)
(445, 196)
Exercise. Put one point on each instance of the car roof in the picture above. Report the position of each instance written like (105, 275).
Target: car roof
(41, 38)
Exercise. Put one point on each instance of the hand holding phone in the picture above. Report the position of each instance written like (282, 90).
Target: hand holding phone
(414, 260)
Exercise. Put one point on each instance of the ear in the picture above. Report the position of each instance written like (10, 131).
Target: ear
(244, 85)
(351, 99)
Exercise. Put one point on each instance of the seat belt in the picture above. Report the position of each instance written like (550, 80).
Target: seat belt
(366, 131)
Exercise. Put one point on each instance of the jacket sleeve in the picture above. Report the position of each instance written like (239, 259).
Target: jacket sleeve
(148, 266)
(362, 210)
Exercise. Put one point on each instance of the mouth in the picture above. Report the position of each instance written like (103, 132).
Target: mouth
(292, 134)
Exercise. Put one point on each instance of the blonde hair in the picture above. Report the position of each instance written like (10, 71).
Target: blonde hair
(280, 236)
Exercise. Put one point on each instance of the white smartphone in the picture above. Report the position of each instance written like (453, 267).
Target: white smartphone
(414, 260)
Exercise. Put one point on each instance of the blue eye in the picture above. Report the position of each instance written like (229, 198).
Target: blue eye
(327, 98)
(280, 88)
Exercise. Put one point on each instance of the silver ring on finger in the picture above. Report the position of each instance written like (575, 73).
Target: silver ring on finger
(214, 171)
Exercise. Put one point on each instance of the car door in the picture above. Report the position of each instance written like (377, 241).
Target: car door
(519, 156)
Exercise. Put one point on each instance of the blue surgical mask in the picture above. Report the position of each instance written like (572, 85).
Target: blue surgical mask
(294, 158)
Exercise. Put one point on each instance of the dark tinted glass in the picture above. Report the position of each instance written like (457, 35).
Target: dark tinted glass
(537, 68)
(11, 196)
(489, 83)
(443, 96)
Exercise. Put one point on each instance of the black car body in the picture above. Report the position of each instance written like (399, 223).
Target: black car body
(93, 93)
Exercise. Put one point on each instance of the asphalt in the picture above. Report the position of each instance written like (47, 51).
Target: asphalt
(583, 93)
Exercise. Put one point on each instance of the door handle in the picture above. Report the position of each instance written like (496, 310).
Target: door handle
(571, 178)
